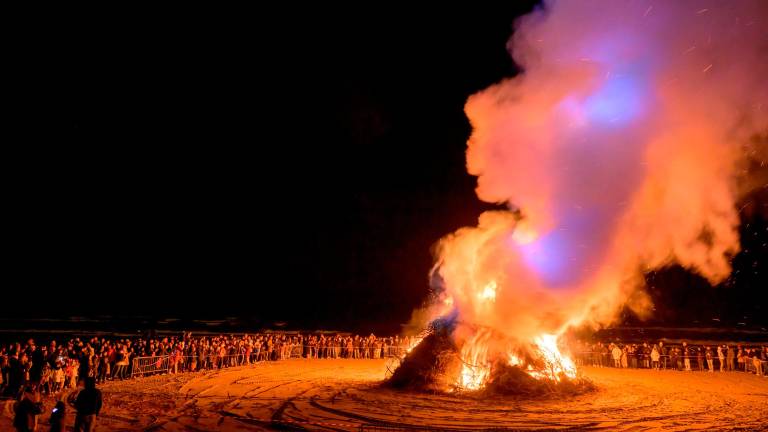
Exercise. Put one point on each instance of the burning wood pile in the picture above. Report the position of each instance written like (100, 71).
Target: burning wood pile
(437, 364)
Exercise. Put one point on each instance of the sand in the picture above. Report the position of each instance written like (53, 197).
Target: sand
(344, 395)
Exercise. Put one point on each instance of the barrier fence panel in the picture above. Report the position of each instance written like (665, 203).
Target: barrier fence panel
(144, 366)
(152, 365)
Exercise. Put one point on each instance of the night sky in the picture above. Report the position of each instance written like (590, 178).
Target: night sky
(290, 166)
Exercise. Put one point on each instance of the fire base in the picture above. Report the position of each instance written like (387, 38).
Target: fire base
(508, 380)
(435, 364)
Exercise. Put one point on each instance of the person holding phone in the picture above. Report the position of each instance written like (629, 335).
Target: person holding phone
(57, 417)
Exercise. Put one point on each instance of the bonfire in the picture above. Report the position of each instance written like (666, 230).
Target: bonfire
(436, 363)
(617, 150)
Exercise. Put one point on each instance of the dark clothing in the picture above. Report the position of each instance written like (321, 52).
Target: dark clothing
(51, 359)
(15, 377)
(88, 402)
(57, 421)
(85, 366)
(103, 369)
(36, 371)
(85, 423)
(25, 411)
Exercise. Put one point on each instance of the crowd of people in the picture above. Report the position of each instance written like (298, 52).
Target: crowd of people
(52, 368)
(30, 371)
(684, 357)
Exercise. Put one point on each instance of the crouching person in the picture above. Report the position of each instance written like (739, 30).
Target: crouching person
(88, 406)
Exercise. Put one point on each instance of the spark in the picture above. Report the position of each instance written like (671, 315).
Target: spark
(647, 11)
(489, 292)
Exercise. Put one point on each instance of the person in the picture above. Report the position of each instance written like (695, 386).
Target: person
(71, 373)
(84, 367)
(37, 358)
(748, 359)
(605, 355)
(646, 355)
(15, 376)
(721, 357)
(26, 364)
(624, 352)
(700, 359)
(632, 352)
(595, 355)
(740, 358)
(88, 405)
(26, 411)
(57, 417)
(729, 356)
(673, 362)
(687, 356)
(103, 367)
(710, 361)
(58, 378)
(655, 357)
(757, 363)
(122, 363)
(616, 353)
(46, 380)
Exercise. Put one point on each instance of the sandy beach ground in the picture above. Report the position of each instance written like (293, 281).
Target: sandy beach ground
(343, 395)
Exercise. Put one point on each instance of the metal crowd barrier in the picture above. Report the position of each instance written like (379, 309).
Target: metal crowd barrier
(154, 365)
(606, 359)
(144, 366)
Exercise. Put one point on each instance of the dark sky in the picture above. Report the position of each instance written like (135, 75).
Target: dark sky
(290, 165)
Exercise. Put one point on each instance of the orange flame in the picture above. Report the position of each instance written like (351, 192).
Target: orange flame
(546, 360)
(556, 364)
(474, 354)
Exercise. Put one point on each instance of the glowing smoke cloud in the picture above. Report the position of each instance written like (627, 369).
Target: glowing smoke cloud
(618, 145)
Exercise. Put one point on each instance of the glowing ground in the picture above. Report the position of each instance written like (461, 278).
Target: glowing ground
(342, 395)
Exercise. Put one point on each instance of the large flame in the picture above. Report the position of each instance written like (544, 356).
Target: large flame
(556, 365)
(542, 359)
(617, 151)
(476, 367)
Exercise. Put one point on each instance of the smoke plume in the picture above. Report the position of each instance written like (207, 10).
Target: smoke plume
(617, 150)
